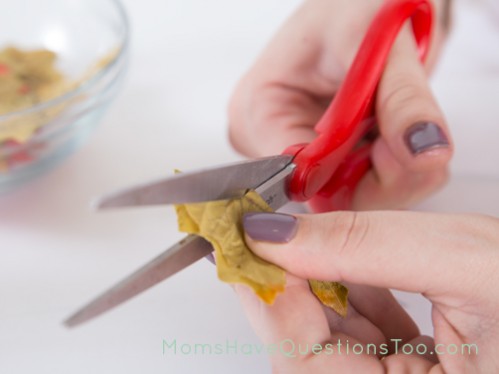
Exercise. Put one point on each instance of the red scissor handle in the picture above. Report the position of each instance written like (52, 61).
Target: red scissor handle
(319, 164)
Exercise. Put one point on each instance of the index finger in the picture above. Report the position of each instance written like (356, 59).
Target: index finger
(433, 254)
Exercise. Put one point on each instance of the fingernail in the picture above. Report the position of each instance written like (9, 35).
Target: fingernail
(423, 136)
(270, 227)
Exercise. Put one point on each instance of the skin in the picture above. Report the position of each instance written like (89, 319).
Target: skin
(449, 259)
(283, 95)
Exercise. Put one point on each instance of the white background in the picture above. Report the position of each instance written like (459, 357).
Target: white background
(55, 254)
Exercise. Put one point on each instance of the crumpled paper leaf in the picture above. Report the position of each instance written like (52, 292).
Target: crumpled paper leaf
(220, 222)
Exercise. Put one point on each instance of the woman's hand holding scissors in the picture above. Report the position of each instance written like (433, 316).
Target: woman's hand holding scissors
(281, 98)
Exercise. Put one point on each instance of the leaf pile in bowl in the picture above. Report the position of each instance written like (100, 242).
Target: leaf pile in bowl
(29, 78)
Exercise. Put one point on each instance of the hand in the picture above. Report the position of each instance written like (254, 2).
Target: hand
(278, 102)
(452, 260)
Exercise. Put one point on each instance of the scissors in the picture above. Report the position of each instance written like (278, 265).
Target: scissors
(324, 172)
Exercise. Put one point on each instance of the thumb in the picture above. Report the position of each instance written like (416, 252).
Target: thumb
(434, 254)
(410, 159)
(410, 120)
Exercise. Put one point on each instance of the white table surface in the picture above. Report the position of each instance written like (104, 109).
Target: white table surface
(55, 254)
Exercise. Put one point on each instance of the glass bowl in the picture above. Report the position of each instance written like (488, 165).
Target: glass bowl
(86, 42)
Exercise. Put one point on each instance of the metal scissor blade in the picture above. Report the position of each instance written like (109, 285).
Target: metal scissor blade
(204, 185)
(184, 253)
(176, 258)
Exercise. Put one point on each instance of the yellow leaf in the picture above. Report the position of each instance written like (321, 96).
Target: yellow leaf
(219, 222)
(332, 294)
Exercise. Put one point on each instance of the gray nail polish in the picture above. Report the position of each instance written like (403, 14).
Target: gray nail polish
(270, 227)
(423, 136)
